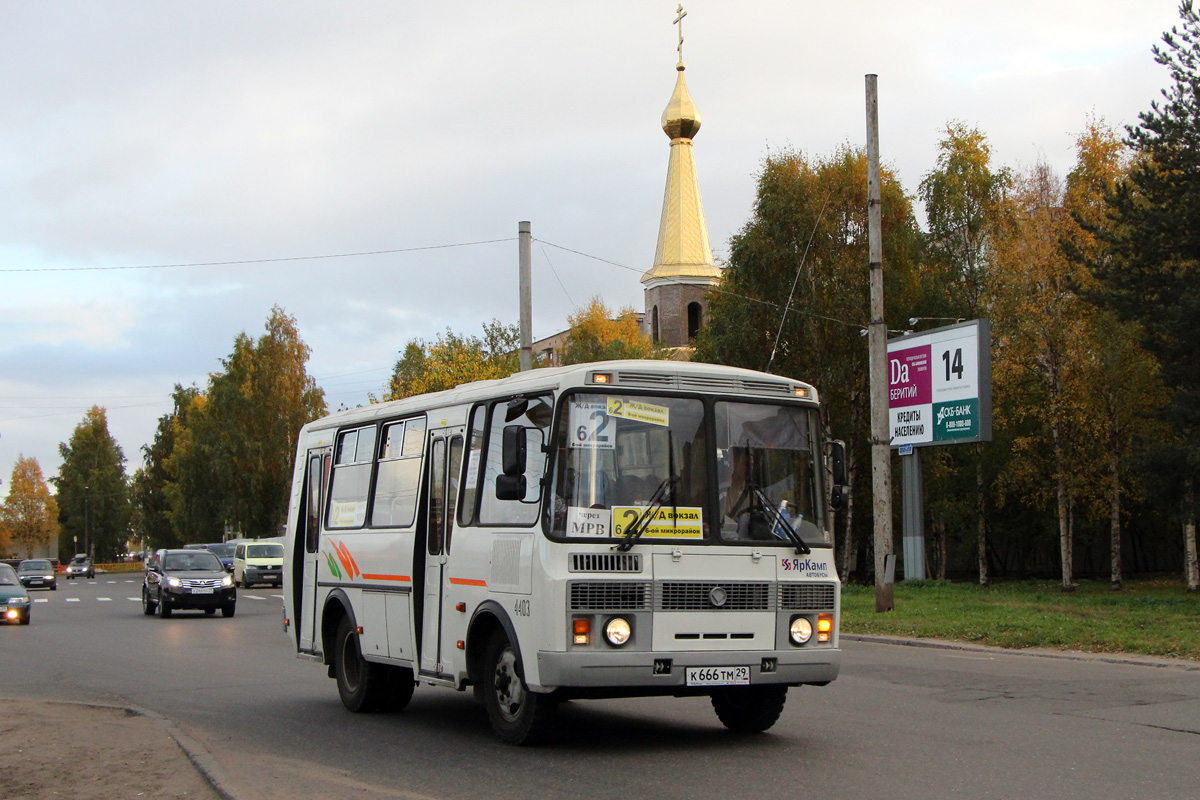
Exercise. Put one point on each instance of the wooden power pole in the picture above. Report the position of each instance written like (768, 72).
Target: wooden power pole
(881, 449)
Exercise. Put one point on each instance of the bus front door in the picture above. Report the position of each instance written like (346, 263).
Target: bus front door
(439, 497)
(304, 591)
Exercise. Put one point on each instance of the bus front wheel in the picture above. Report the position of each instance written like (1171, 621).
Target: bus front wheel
(749, 709)
(518, 716)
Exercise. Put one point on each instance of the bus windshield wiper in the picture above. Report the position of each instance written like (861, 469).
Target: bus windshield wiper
(780, 523)
(634, 531)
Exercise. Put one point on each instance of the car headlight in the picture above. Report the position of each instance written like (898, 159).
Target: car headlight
(617, 631)
(227, 581)
(801, 630)
(174, 582)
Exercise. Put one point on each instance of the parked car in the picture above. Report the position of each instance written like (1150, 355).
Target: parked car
(258, 562)
(81, 567)
(224, 551)
(14, 599)
(37, 572)
(187, 579)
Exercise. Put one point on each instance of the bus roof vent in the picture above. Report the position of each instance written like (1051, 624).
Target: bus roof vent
(649, 380)
(752, 386)
(606, 562)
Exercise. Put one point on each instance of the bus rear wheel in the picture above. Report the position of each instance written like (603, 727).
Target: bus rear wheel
(517, 715)
(749, 709)
(362, 684)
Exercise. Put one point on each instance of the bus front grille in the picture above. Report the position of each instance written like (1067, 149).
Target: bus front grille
(606, 562)
(609, 596)
(713, 596)
(807, 596)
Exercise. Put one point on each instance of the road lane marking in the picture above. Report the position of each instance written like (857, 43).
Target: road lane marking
(103, 599)
(40, 600)
(254, 597)
(69, 600)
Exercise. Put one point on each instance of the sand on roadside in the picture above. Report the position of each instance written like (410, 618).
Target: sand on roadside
(91, 752)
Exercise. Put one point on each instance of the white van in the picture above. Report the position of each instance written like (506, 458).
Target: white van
(258, 561)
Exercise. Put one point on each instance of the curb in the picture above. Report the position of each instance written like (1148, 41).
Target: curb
(1159, 662)
(196, 753)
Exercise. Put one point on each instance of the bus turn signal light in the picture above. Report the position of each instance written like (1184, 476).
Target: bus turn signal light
(582, 629)
(824, 627)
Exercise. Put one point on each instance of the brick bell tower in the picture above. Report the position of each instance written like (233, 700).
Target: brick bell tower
(683, 271)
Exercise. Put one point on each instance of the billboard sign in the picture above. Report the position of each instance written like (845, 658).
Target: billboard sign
(940, 386)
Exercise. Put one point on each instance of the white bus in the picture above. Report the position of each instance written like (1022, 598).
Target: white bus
(615, 529)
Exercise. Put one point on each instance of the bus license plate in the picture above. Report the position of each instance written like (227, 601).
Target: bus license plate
(718, 676)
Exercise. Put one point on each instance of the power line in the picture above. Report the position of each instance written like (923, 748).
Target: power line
(259, 260)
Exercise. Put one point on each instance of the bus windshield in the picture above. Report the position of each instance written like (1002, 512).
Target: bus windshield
(619, 455)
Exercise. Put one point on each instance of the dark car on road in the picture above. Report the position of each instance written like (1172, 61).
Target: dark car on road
(224, 551)
(14, 598)
(81, 567)
(187, 579)
(37, 573)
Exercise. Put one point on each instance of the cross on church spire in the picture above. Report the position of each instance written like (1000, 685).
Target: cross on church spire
(680, 14)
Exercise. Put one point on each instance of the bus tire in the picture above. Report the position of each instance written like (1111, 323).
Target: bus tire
(749, 709)
(517, 715)
(362, 684)
(399, 691)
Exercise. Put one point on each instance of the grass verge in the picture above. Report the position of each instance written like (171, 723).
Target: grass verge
(1150, 617)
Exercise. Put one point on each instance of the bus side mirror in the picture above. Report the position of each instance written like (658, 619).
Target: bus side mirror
(514, 450)
(837, 454)
(512, 484)
(837, 458)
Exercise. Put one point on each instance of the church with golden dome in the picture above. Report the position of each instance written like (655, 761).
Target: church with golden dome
(677, 285)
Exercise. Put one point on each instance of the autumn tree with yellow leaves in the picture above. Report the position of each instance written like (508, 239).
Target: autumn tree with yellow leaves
(595, 334)
(29, 517)
(453, 359)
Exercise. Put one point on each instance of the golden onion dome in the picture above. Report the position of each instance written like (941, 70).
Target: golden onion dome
(681, 118)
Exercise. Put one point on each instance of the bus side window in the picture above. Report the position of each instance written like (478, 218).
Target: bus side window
(467, 508)
(355, 455)
(398, 475)
(534, 414)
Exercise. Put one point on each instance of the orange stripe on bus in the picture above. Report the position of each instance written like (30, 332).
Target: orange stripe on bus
(468, 582)
(373, 577)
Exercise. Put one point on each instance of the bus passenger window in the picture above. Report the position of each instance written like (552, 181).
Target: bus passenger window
(398, 478)
(351, 479)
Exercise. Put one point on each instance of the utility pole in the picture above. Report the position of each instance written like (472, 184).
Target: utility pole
(881, 455)
(526, 271)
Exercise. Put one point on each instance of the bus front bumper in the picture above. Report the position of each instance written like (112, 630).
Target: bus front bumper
(668, 671)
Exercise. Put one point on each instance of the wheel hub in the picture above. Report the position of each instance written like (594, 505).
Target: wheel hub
(510, 693)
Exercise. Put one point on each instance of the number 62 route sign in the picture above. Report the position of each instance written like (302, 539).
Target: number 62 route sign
(940, 385)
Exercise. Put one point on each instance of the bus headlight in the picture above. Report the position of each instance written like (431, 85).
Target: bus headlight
(801, 630)
(617, 631)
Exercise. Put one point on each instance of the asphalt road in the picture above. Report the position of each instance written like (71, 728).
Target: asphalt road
(901, 722)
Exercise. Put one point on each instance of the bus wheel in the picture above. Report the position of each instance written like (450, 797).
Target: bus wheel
(749, 709)
(360, 683)
(518, 716)
(399, 691)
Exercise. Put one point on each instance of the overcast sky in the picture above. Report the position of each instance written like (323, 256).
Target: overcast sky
(143, 134)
